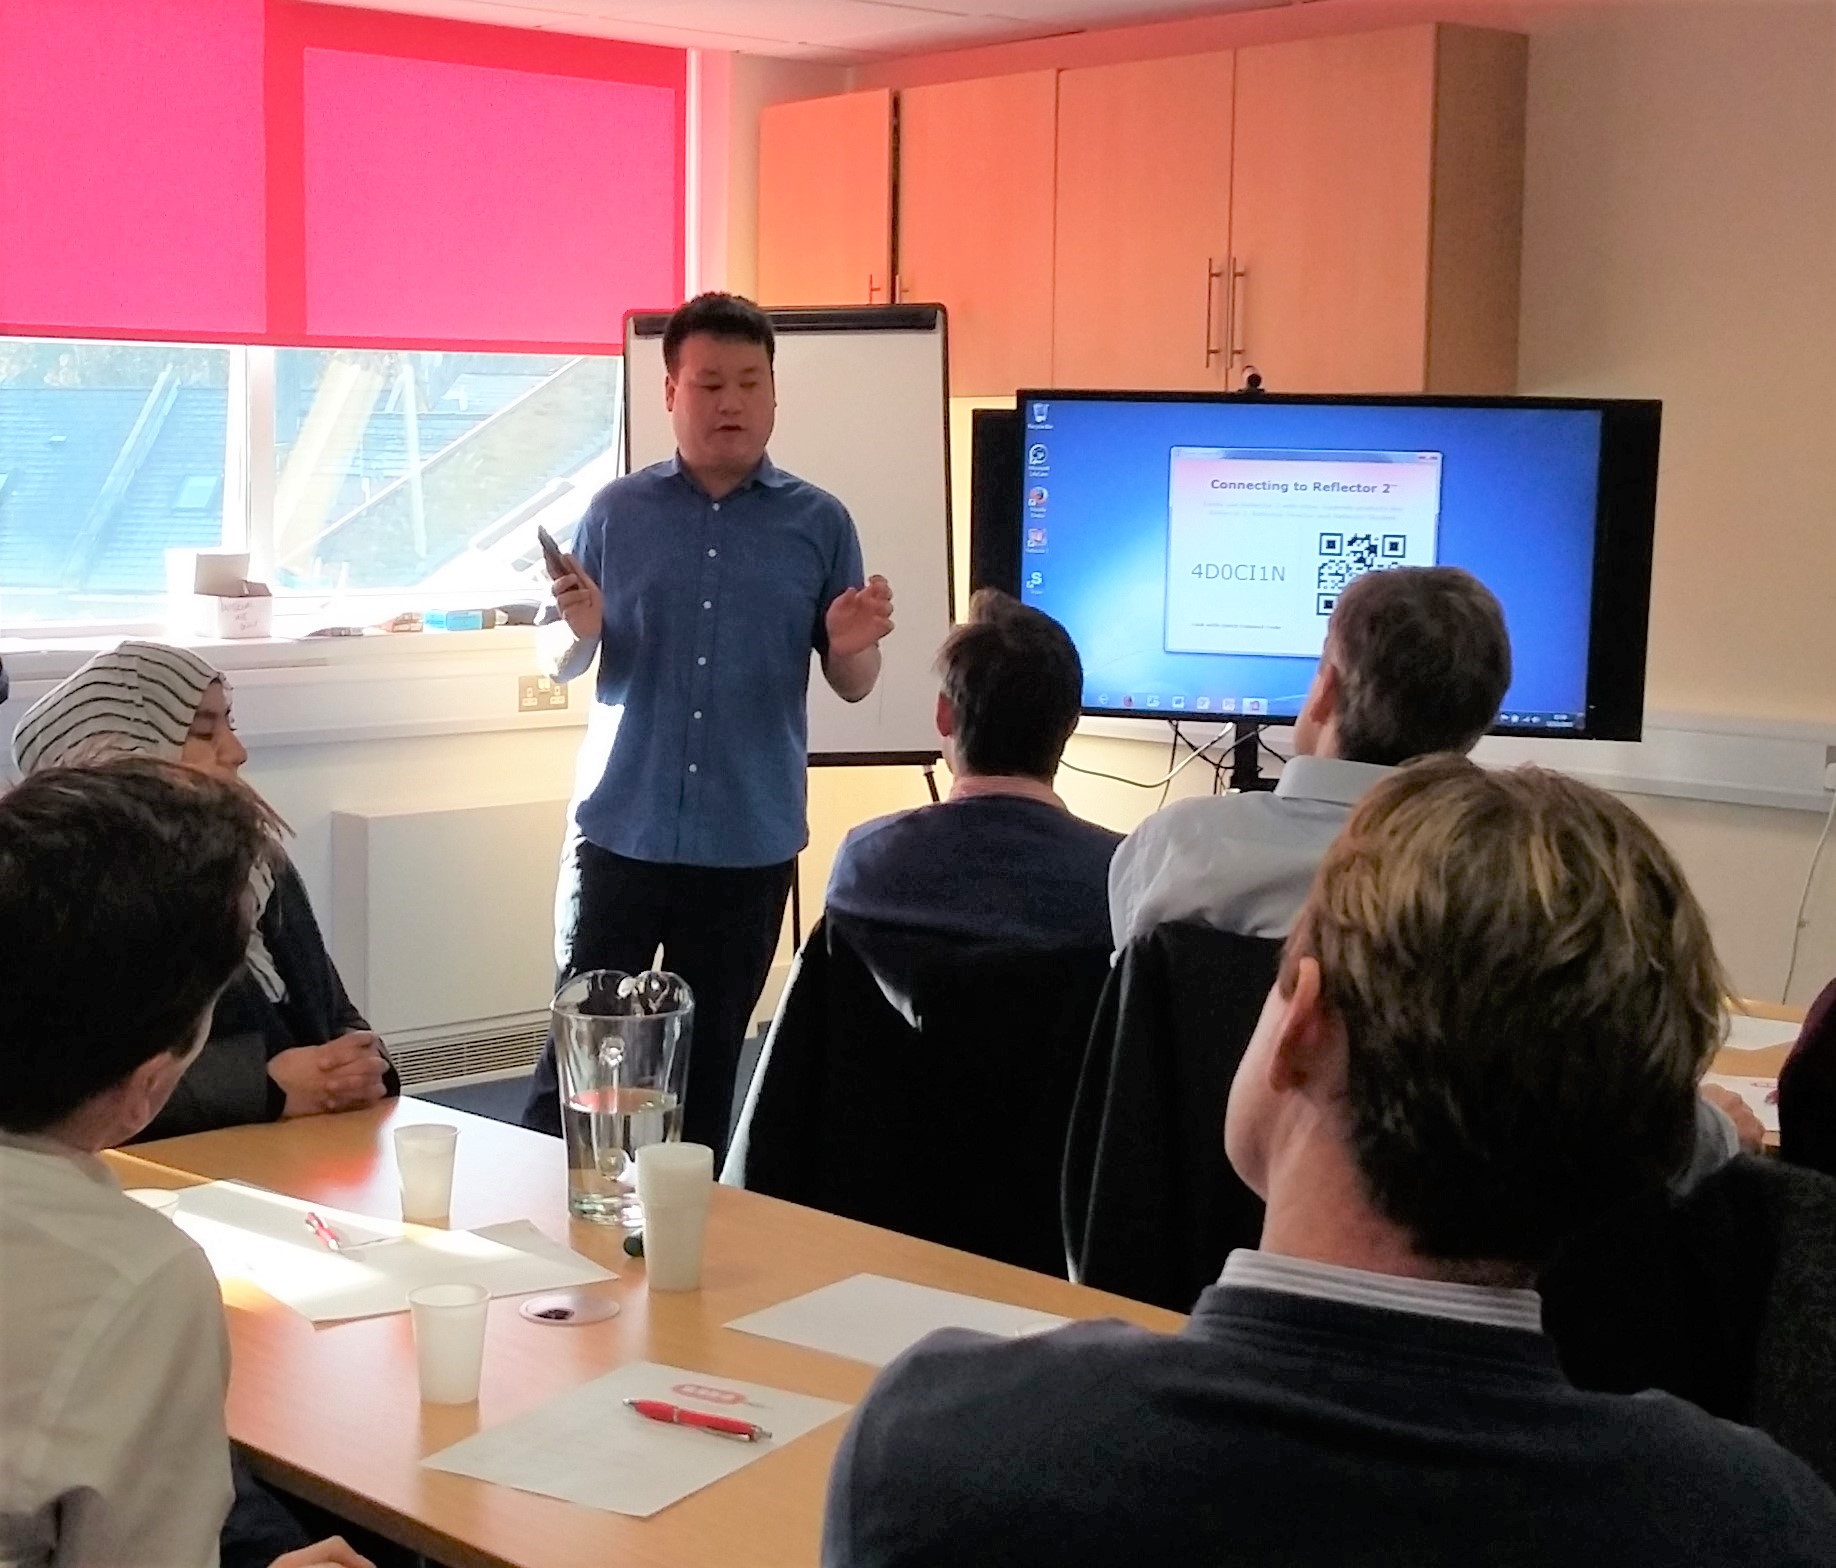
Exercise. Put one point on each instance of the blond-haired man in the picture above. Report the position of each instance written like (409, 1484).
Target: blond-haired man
(1489, 1024)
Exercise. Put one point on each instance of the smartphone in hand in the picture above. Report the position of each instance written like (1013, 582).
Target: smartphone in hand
(551, 553)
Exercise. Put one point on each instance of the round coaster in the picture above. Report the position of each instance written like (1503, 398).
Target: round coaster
(568, 1308)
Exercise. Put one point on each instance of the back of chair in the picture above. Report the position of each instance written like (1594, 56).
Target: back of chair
(1725, 1297)
(1807, 1090)
(928, 1094)
(1151, 1205)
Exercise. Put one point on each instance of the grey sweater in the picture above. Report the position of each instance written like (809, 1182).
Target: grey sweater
(1283, 1430)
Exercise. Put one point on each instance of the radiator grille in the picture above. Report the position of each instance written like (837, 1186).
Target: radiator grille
(509, 1048)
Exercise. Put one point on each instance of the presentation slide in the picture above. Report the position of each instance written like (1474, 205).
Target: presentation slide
(1195, 550)
(1260, 543)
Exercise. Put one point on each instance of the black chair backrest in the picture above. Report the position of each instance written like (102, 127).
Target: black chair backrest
(1151, 1205)
(1807, 1090)
(929, 1095)
(1725, 1297)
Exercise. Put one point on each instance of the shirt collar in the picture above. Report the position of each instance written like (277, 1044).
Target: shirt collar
(767, 474)
(87, 1164)
(1495, 1306)
(1329, 779)
(978, 786)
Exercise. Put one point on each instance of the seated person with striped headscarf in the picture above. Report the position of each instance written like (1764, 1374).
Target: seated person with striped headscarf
(286, 1039)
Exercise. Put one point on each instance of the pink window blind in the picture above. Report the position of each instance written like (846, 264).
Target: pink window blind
(131, 168)
(467, 186)
(283, 172)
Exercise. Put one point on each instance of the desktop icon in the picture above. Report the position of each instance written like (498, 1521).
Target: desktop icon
(1041, 413)
(1255, 705)
(1100, 700)
(1227, 705)
(1035, 538)
(1035, 580)
(1203, 705)
(1153, 702)
(1036, 454)
(1179, 702)
(1036, 498)
(1128, 702)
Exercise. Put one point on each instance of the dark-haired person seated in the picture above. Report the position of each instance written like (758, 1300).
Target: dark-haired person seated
(1488, 1027)
(1002, 862)
(286, 1039)
(1807, 1090)
(124, 911)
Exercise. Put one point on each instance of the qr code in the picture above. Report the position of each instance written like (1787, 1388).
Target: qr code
(1345, 556)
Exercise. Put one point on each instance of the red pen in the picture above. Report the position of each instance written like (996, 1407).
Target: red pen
(327, 1236)
(675, 1415)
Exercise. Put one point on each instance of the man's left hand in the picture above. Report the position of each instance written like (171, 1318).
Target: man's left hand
(859, 618)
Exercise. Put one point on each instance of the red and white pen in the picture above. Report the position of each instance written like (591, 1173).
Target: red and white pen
(675, 1415)
(327, 1236)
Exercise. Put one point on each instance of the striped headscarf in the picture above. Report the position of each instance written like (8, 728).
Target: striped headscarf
(139, 697)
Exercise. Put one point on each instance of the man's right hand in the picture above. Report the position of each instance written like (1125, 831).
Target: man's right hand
(342, 1075)
(579, 600)
(334, 1553)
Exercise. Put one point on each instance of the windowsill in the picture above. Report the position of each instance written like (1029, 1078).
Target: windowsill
(296, 691)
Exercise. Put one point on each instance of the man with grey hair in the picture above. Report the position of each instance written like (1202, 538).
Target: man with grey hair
(1416, 660)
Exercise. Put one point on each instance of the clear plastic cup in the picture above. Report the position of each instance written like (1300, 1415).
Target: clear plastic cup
(449, 1337)
(424, 1161)
(675, 1183)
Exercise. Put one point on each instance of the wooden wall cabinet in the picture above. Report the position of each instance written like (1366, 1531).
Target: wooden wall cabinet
(1144, 183)
(975, 199)
(1343, 214)
(825, 200)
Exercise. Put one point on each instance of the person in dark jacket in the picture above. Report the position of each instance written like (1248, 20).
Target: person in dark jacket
(286, 1039)
(1487, 1028)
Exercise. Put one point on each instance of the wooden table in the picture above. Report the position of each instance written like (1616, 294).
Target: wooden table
(333, 1414)
(1764, 1063)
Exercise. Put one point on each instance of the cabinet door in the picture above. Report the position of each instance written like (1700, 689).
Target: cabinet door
(825, 201)
(975, 223)
(1144, 173)
(1331, 209)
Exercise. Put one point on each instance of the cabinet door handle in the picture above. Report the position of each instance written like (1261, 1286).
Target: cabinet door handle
(1212, 273)
(1239, 278)
(873, 288)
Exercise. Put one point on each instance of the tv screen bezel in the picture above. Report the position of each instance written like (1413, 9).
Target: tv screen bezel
(1625, 515)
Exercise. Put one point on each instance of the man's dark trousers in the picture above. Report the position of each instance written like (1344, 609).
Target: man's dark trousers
(718, 927)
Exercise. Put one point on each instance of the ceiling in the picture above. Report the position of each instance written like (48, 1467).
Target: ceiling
(818, 29)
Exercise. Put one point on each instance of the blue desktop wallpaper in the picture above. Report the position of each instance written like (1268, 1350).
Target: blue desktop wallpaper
(1518, 494)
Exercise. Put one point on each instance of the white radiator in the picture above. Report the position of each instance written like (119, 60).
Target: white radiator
(442, 925)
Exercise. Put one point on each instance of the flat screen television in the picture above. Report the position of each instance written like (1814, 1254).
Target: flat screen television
(1194, 545)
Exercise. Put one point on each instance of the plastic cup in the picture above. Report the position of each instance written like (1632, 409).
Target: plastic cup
(675, 1185)
(449, 1336)
(161, 1200)
(424, 1161)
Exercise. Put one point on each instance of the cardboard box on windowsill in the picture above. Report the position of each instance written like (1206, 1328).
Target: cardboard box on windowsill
(209, 594)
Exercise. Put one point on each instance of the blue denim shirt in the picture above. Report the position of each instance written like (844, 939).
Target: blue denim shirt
(712, 611)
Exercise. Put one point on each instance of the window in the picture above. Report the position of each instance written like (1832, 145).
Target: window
(400, 480)
(99, 442)
(398, 470)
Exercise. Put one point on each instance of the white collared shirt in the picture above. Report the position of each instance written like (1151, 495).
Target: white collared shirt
(114, 1363)
(1242, 863)
(1494, 1305)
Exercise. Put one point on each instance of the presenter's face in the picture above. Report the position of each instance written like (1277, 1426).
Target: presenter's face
(722, 403)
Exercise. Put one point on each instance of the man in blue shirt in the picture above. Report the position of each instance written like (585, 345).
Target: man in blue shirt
(703, 584)
(1001, 863)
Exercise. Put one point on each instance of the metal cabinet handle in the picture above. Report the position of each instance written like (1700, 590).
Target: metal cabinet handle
(1239, 277)
(1212, 274)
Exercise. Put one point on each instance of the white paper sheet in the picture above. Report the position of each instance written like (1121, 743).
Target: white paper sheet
(1755, 1034)
(1757, 1092)
(874, 1319)
(248, 1233)
(587, 1448)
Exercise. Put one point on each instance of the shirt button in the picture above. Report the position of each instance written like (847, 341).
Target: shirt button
(717, 506)
(694, 767)
(698, 713)
(707, 604)
(702, 660)
(712, 554)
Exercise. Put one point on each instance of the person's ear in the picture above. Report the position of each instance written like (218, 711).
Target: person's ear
(946, 717)
(1308, 1054)
(1323, 698)
(669, 394)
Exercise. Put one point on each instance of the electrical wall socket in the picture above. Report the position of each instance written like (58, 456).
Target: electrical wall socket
(538, 694)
